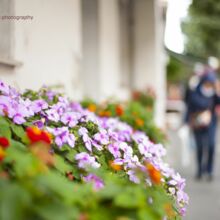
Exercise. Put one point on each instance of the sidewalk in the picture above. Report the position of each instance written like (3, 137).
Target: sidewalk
(204, 196)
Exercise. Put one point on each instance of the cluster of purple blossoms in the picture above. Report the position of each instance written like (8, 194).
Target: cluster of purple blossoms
(95, 180)
(62, 136)
(114, 136)
(85, 160)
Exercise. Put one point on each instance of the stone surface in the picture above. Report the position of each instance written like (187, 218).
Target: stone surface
(204, 196)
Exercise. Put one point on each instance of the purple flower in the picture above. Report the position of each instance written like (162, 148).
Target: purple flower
(114, 150)
(102, 137)
(133, 177)
(4, 88)
(144, 150)
(39, 123)
(83, 132)
(59, 108)
(50, 95)
(85, 160)
(71, 140)
(127, 149)
(75, 106)
(52, 115)
(5, 105)
(119, 161)
(113, 136)
(62, 136)
(182, 197)
(178, 181)
(70, 119)
(27, 107)
(140, 137)
(39, 105)
(183, 211)
(97, 146)
(18, 119)
(157, 150)
(97, 182)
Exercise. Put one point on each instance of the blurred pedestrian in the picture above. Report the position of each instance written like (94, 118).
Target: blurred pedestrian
(193, 83)
(201, 103)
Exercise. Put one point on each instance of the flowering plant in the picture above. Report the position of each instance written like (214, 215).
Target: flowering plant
(147, 99)
(54, 140)
(133, 113)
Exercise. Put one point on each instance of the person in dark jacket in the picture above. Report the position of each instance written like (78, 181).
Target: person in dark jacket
(203, 121)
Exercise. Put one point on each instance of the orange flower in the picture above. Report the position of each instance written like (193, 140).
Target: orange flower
(2, 154)
(92, 107)
(101, 113)
(4, 142)
(154, 174)
(107, 113)
(114, 166)
(36, 135)
(119, 110)
(139, 122)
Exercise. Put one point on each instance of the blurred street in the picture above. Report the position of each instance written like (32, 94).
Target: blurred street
(204, 196)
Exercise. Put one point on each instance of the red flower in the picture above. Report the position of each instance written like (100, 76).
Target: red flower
(4, 142)
(119, 110)
(36, 135)
(46, 137)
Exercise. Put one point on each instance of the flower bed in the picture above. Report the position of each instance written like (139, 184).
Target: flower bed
(60, 161)
(133, 113)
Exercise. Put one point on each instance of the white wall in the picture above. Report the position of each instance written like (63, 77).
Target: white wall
(148, 52)
(109, 47)
(90, 49)
(101, 49)
(49, 46)
(160, 66)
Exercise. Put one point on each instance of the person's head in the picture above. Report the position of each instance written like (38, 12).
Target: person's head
(207, 84)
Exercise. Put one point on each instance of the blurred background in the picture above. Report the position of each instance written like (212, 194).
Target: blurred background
(113, 48)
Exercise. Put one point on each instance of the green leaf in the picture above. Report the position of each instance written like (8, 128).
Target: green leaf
(61, 165)
(13, 202)
(102, 161)
(19, 132)
(57, 210)
(4, 128)
(18, 145)
(147, 213)
(130, 197)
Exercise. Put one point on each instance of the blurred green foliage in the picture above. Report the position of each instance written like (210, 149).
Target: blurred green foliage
(32, 189)
(177, 70)
(202, 28)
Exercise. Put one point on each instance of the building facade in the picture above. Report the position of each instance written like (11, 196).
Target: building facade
(93, 48)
